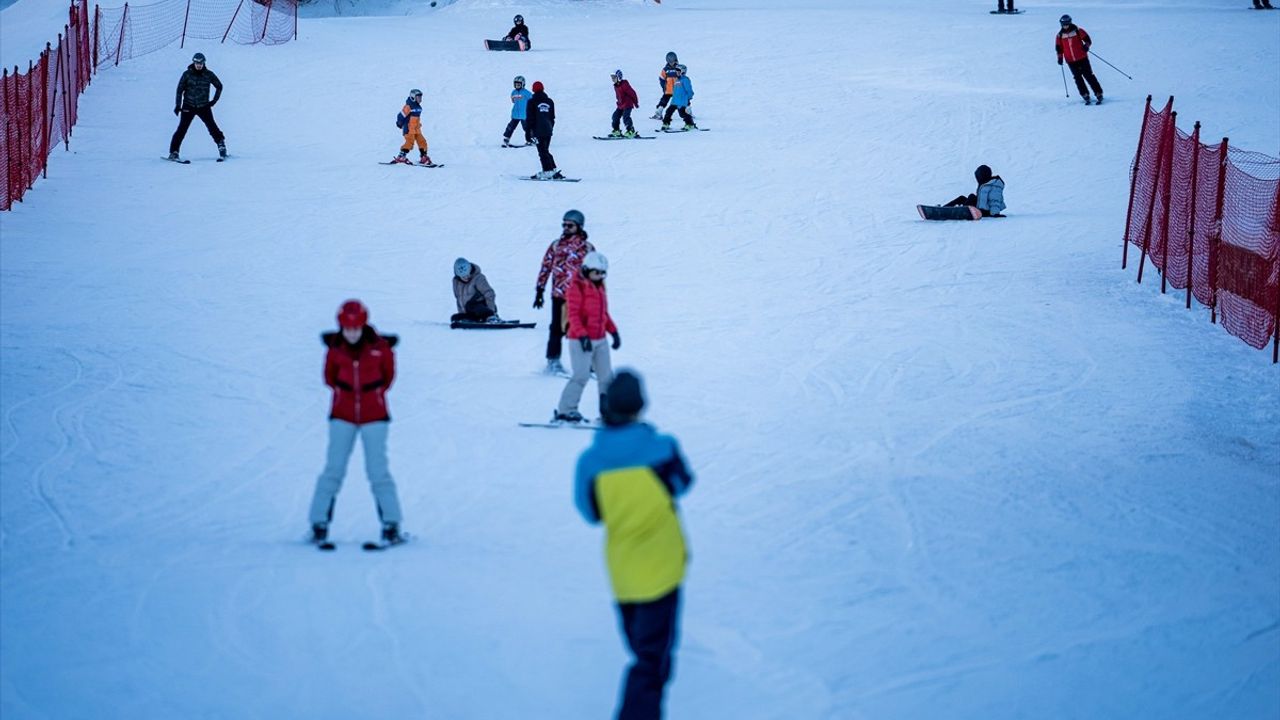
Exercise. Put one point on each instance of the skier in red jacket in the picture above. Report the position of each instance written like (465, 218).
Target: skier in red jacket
(359, 367)
(587, 321)
(627, 101)
(1072, 44)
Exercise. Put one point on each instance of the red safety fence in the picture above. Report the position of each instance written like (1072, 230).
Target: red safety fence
(1208, 218)
(39, 107)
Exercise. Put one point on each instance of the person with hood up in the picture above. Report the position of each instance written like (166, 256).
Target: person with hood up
(192, 101)
(587, 321)
(681, 96)
(1072, 44)
(476, 299)
(629, 480)
(359, 368)
(541, 114)
(627, 101)
(560, 265)
(409, 120)
(989, 197)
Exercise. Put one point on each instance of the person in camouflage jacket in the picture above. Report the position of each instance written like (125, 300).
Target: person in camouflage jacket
(560, 264)
(192, 101)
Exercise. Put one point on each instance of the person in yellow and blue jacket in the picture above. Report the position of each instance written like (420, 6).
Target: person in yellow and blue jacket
(629, 480)
(410, 123)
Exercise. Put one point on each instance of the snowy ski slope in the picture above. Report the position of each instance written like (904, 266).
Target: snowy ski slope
(947, 470)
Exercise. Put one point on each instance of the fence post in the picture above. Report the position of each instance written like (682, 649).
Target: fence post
(1216, 239)
(68, 123)
(1133, 181)
(233, 21)
(1195, 197)
(8, 119)
(1275, 318)
(124, 19)
(1168, 200)
(295, 19)
(97, 24)
(185, 18)
(266, 20)
(48, 106)
(1151, 208)
(28, 176)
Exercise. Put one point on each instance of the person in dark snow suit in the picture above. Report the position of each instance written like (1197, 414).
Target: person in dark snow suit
(626, 102)
(541, 115)
(519, 31)
(192, 101)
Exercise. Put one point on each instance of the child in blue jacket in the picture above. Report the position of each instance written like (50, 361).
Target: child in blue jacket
(681, 96)
(629, 480)
(519, 101)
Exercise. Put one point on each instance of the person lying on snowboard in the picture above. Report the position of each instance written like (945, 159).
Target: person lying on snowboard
(990, 196)
(476, 300)
(519, 32)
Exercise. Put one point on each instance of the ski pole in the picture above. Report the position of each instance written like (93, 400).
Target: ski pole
(1113, 67)
(1065, 91)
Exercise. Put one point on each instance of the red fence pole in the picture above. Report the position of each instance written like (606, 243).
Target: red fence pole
(8, 157)
(97, 25)
(233, 21)
(1168, 201)
(1217, 233)
(185, 18)
(32, 169)
(1133, 182)
(1195, 197)
(124, 18)
(265, 21)
(1151, 208)
(48, 106)
(1275, 318)
(67, 96)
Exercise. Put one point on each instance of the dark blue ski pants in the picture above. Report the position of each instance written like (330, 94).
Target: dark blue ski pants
(651, 630)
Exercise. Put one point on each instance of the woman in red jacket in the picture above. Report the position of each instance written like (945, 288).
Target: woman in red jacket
(588, 320)
(359, 368)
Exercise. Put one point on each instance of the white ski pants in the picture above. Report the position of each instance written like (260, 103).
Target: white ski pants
(342, 440)
(583, 363)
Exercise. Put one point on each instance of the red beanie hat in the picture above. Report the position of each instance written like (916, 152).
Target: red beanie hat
(537, 86)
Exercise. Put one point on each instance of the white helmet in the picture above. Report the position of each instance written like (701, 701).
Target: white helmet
(595, 261)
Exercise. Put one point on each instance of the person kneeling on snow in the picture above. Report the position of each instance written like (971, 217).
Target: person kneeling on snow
(476, 300)
(990, 196)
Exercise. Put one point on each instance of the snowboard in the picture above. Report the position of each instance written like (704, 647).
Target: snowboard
(938, 212)
(1007, 12)
(520, 145)
(180, 161)
(584, 425)
(432, 165)
(500, 325)
(563, 179)
(638, 137)
(516, 45)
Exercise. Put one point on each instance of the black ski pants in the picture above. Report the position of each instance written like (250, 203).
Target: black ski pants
(555, 334)
(651, 629)
(1082, 72)
(623, 115)
(666, 98)
(1002, 7)
(544, 154)
(671, 110)
(969, 199)
(184, 122)
(511, 128)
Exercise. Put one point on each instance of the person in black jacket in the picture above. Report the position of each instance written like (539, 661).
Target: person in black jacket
(541, 114)
(192, 101)
(519, 31)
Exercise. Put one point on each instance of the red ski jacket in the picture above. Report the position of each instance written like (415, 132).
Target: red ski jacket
(1073, 44)
(359, 375)
(587, 310)
(626, 95)
(561, 262)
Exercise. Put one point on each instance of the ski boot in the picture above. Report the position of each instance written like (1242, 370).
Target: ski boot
(506, 142)
(630, 133)
(554, 367)
(391, 534)
(424, 159)
(690, 126)
(400, 158)
(1098, 101)
(615, 134)
(666, 126)
(173, 156)
(319, 533)
(573, 416)
(1088, 100)
(555, 175)
(657, 114)
(222, 150)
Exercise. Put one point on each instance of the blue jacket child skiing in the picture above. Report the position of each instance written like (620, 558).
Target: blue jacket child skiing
(629, 480)
(519, 105)
(681, 96)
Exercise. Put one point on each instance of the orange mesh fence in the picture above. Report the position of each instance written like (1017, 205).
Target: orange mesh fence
(1207, 218)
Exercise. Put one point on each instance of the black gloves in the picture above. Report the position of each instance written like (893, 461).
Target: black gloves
(177, 111)
(617, 341)
(537, 299)
(1059, 59)
(586, 344)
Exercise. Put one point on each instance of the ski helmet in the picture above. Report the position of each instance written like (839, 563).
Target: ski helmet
(518, 80)
(671, 57)
(415, 93)
(684, 69)
(1065, 19)
(518, 20)
(198, 58)
(617, 76)
(574, 216)
(353, 314)
(462, 268)
(595, 261)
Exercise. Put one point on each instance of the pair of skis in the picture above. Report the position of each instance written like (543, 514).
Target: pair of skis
(428, 165)
(370, 546)
(180, 161)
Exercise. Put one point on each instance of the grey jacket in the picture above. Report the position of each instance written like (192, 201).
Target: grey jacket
(991, 196)
(475, 288)
(193, 89)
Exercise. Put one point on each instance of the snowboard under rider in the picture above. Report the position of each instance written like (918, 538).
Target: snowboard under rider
(359, 368)
(681, 96)
(519, 32)
(667, 81)
(1072, 44)
(627, 101)
(629, 480)
(476, 299)
(541, 114)
(989, 197)
(587, 321)
(192, 101)
(409, 120)
(519, 112)
(560, 265)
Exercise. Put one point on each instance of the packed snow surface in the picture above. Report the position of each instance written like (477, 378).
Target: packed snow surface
(944, 470)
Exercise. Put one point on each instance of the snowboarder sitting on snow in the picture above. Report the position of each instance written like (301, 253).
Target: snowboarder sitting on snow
(587, 321)
(681, 96)
(667, 81)
(519, 107)
(359, 367)
(990, 196)
(519, 32)
(560, 265)
(476, 300)
(1072, 43)
(629, 479)
(410, 123)
(627, 101)
(192, 101)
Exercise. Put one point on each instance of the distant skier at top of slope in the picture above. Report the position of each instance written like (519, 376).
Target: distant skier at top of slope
(587, 321)
(541, 113)
(1263, 5)
(474, 295)
(989, 197)
(667, 81)
(192, 101)
(409, 120)
(626, 102)
(1005, 6)
(520, 31)
(519, 112)
(681, 96)
(1072, 44)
